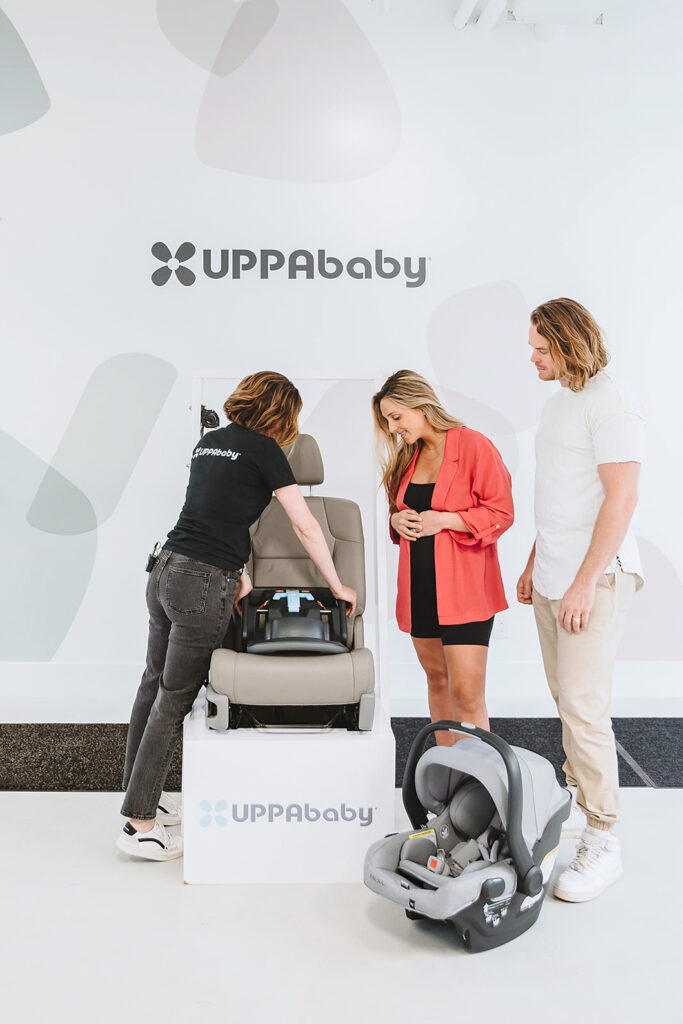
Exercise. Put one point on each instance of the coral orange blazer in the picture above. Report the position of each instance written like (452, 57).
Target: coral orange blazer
(474, 482)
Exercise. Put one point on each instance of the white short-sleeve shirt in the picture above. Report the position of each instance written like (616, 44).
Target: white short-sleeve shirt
(580, 430)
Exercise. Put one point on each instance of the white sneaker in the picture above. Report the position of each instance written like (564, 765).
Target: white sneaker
(157, 844)
(573, 827)
(168, 812)
(596, 865)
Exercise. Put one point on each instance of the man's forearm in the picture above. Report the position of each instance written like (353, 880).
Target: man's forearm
(608, 533)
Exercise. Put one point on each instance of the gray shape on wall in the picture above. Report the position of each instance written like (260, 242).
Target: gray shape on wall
(45, 575)
(23, 98)
(198, 28)
(312, 103)
(653, 626)
(487, 421)
(478, 342)
(103, 441)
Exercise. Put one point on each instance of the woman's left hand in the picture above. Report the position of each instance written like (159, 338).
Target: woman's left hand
(244, 587)
(432, 522)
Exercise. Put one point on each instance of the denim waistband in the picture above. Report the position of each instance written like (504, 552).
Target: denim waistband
(166, 553)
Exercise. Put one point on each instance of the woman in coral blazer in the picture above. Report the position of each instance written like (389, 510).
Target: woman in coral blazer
(450, 499)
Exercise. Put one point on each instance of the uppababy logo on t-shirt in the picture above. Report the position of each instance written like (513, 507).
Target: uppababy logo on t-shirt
(298, 264)
(268, 813)
(226, 453)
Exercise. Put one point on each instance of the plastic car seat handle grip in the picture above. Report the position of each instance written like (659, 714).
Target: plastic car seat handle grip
(530, 879)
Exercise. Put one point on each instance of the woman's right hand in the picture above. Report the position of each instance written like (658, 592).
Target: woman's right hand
(407, 523)
(349, 595)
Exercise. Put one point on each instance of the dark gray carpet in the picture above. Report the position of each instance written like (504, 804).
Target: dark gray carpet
(89, 758)
(68, 758)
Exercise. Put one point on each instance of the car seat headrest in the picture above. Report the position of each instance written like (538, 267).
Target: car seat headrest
(306, 461)
(471, 809)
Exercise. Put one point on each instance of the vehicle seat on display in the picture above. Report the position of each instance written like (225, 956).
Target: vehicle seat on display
(293, 658)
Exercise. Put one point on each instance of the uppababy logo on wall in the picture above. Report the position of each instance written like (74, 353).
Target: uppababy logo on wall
(235, 264)
(268, 813)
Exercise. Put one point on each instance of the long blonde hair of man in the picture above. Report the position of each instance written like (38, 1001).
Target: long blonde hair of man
(575, 341)
(409, 389)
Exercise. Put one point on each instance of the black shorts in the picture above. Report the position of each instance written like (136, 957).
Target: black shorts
(478, 633)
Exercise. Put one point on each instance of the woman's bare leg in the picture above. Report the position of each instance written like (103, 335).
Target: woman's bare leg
(430, 654)
(466, 683)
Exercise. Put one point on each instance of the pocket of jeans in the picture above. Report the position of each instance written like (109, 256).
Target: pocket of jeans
(187, 590)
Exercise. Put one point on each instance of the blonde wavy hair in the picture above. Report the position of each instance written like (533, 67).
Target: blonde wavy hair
(268, 403)
(575, 341)
(409, 389)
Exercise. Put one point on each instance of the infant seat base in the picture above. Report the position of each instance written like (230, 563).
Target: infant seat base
(286, 621)
(484, 862)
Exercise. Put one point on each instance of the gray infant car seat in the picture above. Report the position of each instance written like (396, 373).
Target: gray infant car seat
(484, 860)
(294, 658)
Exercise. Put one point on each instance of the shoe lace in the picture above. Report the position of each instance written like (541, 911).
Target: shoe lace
(587, 856)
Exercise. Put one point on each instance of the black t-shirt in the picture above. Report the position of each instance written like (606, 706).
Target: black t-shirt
(233, 474)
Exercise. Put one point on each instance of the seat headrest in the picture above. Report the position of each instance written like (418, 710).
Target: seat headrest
(471, 809)
(306, 461)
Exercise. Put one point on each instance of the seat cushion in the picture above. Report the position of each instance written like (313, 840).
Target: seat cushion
(254, 679)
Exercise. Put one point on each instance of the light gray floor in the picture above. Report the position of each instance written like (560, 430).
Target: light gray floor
(88, 935)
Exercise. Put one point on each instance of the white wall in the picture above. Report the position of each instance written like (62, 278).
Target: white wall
(520, 170)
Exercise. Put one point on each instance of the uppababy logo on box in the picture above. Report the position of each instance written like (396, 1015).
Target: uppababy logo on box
(235, 264)
(268, 813)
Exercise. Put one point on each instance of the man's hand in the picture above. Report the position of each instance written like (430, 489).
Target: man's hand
(407, 524)
(524, 586)
(244, 587)
(576, 607)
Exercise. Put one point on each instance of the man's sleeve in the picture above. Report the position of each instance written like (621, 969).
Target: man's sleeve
(494, 512)
(618, 430)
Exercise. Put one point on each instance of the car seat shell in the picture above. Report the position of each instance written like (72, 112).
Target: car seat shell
(490, 901)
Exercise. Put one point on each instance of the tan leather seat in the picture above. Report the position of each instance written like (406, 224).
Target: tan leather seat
(337, 689)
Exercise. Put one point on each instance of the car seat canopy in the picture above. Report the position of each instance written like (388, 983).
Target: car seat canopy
(441, 770)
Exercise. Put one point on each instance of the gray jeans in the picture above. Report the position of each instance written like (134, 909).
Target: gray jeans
(190, 604)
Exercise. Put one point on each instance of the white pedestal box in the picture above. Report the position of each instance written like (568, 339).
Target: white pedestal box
(274, 806)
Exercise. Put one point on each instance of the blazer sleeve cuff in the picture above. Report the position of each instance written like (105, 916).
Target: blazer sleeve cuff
(482, 533)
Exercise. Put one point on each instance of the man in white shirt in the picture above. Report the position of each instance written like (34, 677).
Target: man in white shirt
(583, 569)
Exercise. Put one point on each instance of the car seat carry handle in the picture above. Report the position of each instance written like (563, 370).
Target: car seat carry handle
(530, 878)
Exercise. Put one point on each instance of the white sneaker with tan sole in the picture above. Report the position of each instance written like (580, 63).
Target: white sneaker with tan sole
(596, 865)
